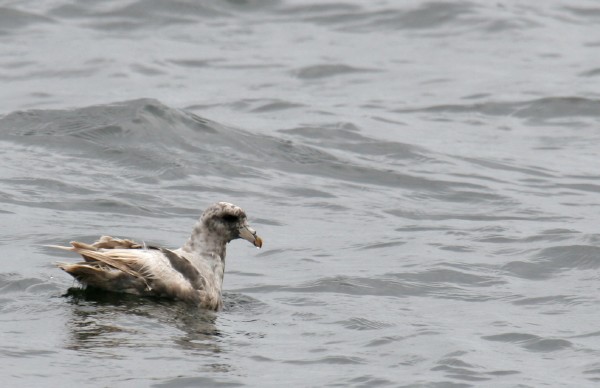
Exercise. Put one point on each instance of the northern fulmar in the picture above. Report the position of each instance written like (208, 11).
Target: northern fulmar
(192, 273)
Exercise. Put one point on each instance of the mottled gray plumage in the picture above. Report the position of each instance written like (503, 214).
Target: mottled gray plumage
(192, 273)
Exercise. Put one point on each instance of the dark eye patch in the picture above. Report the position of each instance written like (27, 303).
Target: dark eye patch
(230, 218)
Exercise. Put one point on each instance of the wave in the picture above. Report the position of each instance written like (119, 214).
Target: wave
(147, 135)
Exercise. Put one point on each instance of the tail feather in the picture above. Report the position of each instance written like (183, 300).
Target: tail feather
(105, 269)
(106, 259)
(100, 276)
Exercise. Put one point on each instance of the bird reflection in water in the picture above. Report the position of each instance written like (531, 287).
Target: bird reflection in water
(102, 321)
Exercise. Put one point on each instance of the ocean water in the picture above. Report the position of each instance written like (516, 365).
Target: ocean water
(425, 176)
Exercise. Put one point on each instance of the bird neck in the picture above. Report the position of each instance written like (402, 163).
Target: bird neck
(203, 242)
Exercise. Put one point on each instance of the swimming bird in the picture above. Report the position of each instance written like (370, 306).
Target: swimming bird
(192, 273)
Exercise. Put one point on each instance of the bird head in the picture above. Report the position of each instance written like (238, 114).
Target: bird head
(230, 221)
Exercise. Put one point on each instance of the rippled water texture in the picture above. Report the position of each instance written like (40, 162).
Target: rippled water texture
(424, 174)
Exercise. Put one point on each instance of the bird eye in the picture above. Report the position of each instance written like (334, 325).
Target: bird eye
(229, 218)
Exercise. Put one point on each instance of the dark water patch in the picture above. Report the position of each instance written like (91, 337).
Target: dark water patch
(328, 70)
(302, 301)
(580, 257)
(526, 270)
(72, 11)
(389, 121)
(245, 273)
(346, 136)
(385, 340)
(438, 384)
(194, 63)
(590, 73)
(508, 25)
(591, 177)
(592, 13)
(336, 15)
(318, 9)
(263, 105)
(549, 300)
(17, 64)
(360, 324)
(536, 171)
(419, 228)
(461, 374)
(141, 14)
(531, 342)
(193, 382)
(364, 381)
(260, 358)
(253, 66)
(336, 360)
(154, 13)
(380, 245)
(304, 155)
(305, 192)
(593, 371)
(26, 352)
(336, 131)
(553, 260)
(587, 187)
(59, 73)
(504, 372)
(537, 112)
(477, 96)
(470, 196)
(328, 206)
(586, 335)
(553, 235)
(427, 16)
(455, 248)
(146, 70)
(11, 19)
(276, 106)
(456, 368)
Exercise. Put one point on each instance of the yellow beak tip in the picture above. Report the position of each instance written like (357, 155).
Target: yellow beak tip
(258, 242)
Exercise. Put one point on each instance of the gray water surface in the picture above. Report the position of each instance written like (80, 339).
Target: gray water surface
(424, 175)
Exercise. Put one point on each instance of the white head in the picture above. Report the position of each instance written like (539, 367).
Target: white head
(229, 221)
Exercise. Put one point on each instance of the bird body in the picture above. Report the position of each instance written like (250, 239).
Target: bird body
(193, 273)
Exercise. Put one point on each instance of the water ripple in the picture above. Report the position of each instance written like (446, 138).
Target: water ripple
(531, 342)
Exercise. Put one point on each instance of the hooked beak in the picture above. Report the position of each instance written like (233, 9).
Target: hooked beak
(247, 233)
